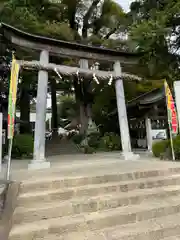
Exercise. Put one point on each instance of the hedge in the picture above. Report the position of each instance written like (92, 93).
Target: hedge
(163, 147)
(160, 147)
(22, 146)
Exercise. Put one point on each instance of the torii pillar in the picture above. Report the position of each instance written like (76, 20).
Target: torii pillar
(39, 160)
(122, 115)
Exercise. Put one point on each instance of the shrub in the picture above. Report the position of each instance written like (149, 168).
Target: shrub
(163, 148)
(94, 140)
(159, 148)
(110, 142)
(22, 146)
(176, 144)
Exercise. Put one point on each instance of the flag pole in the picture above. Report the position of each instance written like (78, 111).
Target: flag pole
(8, 169)
(9, 159)
(172, 145)
(169, 124)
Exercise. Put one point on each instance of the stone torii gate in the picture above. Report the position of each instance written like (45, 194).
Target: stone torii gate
(46, 47)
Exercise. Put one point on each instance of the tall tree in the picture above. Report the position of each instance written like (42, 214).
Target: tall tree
(156, 30)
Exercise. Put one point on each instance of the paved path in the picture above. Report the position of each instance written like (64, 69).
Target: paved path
(83, 165)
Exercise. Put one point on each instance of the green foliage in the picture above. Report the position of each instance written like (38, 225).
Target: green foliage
(110, 142)
(159, 148)
(57, 30)
(22, 146)
(155, 29)
(67, 20)
(94, 140)
(176, 144)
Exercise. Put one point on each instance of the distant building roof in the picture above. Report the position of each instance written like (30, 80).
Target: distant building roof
(150, 97)
(139, 105)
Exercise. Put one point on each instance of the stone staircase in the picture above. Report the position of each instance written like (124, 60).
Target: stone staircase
(140, 205)
(59, 146)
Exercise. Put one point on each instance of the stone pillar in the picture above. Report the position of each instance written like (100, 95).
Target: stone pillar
(177, 99)
(84, 64)
(50, 128)
(148, 133)
(122, 114)
(39, 160)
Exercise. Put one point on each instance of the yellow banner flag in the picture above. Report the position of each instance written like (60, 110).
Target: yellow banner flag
(12, 96)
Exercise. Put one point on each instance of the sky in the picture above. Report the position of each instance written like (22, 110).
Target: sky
(125, 4)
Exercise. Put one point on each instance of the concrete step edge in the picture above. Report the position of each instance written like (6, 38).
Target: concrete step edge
(89, 200)
(172, 238)
(106, 234)
(95, 167)
(132, 196)
(121, 176)
(148, 182)
(123, 187)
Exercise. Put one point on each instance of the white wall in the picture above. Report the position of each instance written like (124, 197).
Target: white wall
(33, 116)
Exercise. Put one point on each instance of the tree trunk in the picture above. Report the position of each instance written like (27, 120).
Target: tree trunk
(54, 122)
(85, 109)
(83, 119)
(25, 126)
(89, 111)
(85, 116)
(87, 17)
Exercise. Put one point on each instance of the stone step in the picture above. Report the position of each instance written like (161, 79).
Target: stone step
(59, 146)
(154, 228)
(84, 202)
(172, 238)
(56, 151)
(96, 166)
(53, 182)
(27, 199)
(111, 205)
(95, 236)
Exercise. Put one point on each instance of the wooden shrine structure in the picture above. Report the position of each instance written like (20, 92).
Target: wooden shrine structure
(146, 113)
